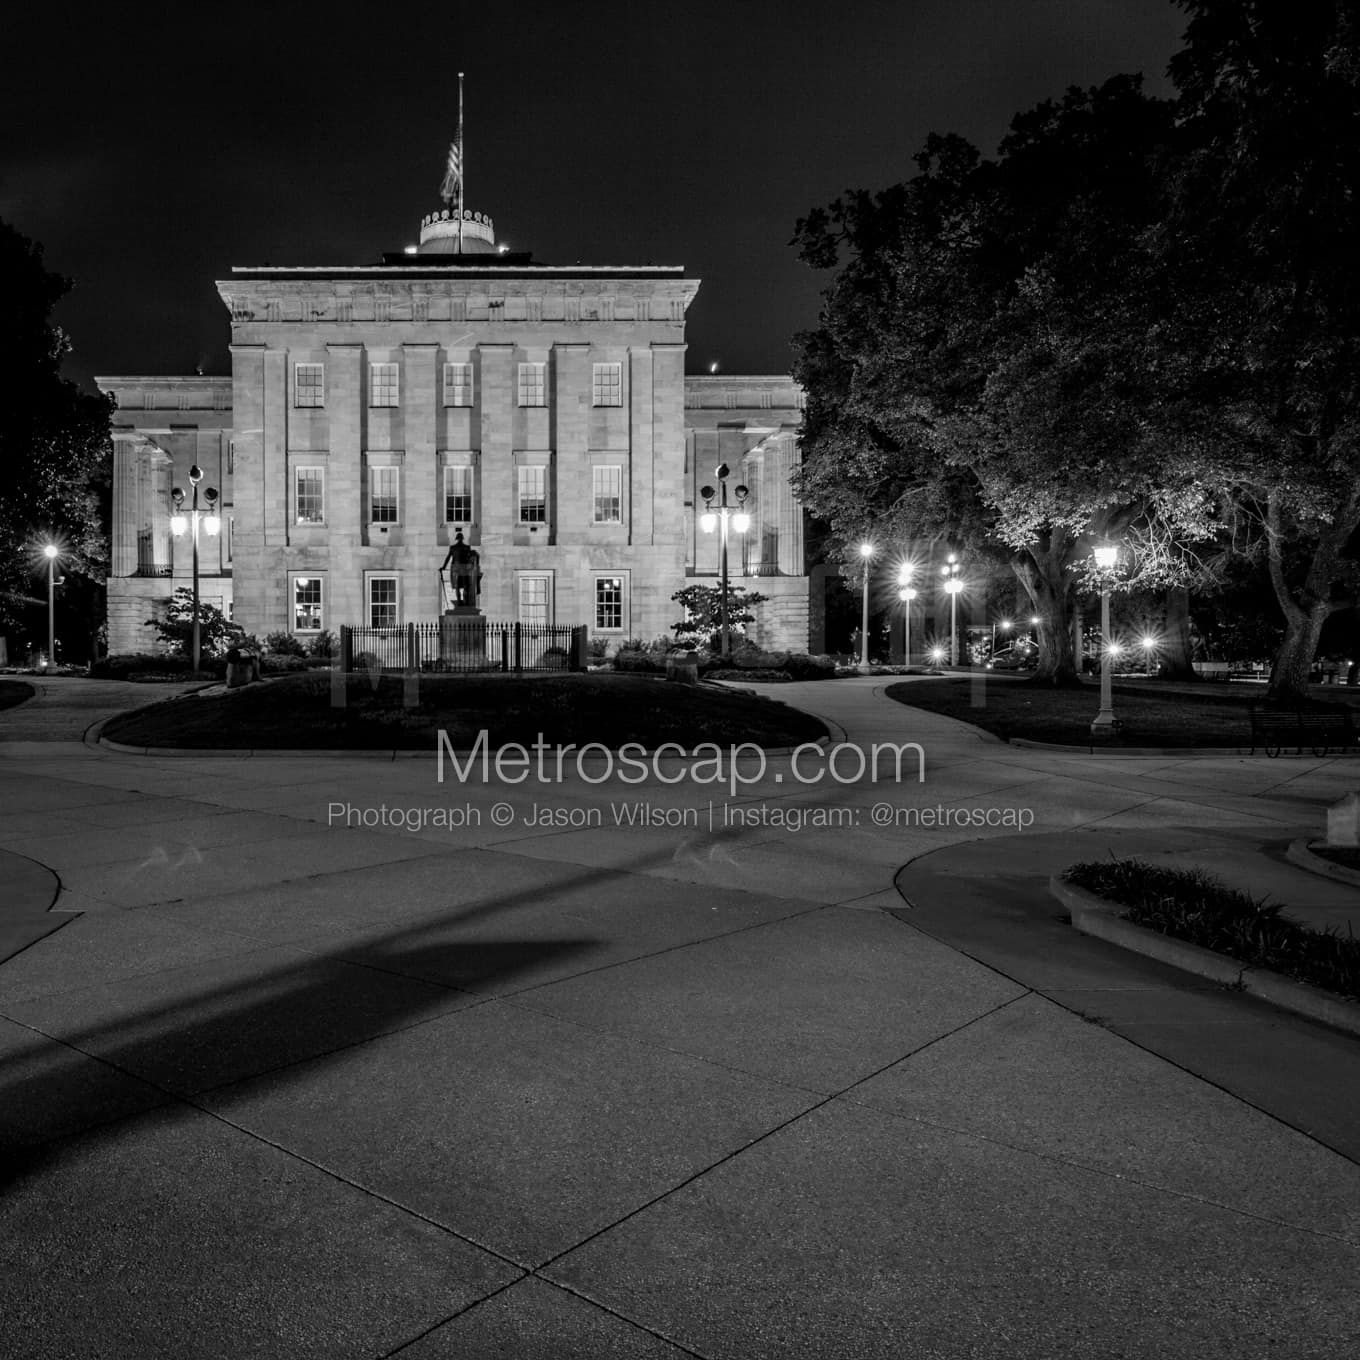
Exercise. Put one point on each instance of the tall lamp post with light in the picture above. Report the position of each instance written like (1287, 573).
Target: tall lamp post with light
(952, 586)
(1104, 723)
(866, 552)
(906, 594)
(718, 519)
(51, 552)
(179, 522)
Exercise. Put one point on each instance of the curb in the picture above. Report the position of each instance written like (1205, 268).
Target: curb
(1206, 752)
(1098, 916)
(320, 752)
(1298, 853)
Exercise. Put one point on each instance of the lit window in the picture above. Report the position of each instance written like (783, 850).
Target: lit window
(457, 384)
(309, 499)
(382, 602)
(458, 495)
(533, 599)
(306, 604)
(309, 384)
(533, 495)
(607, 486)
(609, 603)
(607, 385)
(382, 495)
(531, 385)
(382, 385)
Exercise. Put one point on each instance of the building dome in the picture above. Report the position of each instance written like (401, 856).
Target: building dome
(440, 235)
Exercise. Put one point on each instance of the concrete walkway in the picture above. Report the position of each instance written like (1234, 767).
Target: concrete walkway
(338, 1060)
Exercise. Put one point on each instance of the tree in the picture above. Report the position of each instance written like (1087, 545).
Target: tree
(54, 439)
(966, 379)
(1260, 242)
(702, 623)
(215, 633)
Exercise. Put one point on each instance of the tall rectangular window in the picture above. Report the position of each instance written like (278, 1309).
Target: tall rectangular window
(607, 497)
(458, 495)
(309, 384)
(306, 604)
(606, 387)
(457, 384)
(531, 385)
(382, 602)
(309, 495)
(382, 495)
(609, 603)
(533, 495)
(382, 385)
(533, 600)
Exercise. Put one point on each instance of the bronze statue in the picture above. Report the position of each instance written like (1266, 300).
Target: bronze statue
(465, 577)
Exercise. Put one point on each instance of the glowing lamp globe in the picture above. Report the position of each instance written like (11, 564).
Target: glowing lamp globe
(1106, 556)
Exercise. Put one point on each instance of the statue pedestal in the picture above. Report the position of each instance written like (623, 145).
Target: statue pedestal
(462, 639)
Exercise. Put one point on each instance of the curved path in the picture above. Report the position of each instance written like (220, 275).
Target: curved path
(339, 1060)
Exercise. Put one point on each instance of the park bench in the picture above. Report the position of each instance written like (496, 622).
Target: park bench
(1321, 728)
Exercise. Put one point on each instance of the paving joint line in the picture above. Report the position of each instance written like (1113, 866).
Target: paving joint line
(1054, 1158)
(760, 1138)
(1127, 1038)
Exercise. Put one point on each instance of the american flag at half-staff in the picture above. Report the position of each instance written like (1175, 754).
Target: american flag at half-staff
(453, 175)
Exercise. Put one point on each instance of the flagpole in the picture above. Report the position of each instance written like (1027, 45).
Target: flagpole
(461, 164)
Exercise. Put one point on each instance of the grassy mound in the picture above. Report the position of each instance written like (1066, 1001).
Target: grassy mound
(298, 712)
(14, 692)
(1192, 905)
(1037, 712)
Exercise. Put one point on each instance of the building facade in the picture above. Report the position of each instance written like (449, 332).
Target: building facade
(375, 412)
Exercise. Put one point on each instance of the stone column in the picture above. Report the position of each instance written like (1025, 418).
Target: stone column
(422, 512)
(570, 510)
(125, 519)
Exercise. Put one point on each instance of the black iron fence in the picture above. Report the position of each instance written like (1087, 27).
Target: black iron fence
(464, 644)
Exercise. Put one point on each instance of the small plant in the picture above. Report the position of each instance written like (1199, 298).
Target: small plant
(324, 644)
(283, 644)
(597, 649)
(1193, 905)
(176, 628)
(702, 624)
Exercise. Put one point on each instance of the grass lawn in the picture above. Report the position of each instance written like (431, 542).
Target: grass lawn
(295, 712)
(14, 692)
(1150, 716)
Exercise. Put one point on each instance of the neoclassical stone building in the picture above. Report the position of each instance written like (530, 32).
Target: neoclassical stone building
(374, 411)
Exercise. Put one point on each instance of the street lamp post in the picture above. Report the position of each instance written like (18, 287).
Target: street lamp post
(51, 552)
(906, 594)
(211, 525)
(717, 519)
(866, 551)
(952, 586)
(1105, 722)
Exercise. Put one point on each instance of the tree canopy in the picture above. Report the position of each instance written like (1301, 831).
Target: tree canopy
(1137, 321)
(54, 438)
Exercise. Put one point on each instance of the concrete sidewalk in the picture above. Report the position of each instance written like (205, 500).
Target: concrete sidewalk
(527, 1081)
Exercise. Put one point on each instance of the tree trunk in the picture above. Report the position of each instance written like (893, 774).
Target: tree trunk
(1307, 610)
(1176, 663)
(1289, 673)
(1048, 586)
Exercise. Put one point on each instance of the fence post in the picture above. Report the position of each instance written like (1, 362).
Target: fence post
(340, 672)
(578, 647)
(410, 685)
(519, 647)
(505, 650)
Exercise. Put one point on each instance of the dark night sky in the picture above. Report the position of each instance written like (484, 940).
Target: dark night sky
(150, 146)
